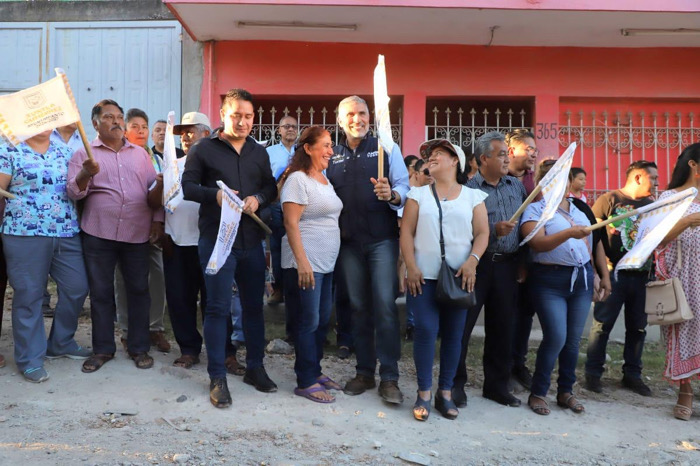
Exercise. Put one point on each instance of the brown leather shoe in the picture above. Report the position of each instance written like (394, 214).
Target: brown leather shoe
(276, 297)
(359, 385)
(234, 367)
(159, 341)
(390, 392)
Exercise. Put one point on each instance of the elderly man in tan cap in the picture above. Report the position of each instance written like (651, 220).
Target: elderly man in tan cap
(183, 274)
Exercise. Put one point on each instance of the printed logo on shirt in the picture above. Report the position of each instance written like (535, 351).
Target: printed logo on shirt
(373, 154)
(337, 158)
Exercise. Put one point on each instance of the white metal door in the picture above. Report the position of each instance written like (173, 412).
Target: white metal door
(136, 63)
(21, 49)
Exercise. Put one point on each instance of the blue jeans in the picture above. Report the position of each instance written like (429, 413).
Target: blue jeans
(247, 268)
(236, 315)
(30, 259)
(431, 319)
(278, 231)
(343, 316)
(562, 313)
(368, 273)
(628, 290)
(313, 310)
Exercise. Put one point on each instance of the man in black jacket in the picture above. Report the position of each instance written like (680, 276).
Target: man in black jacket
(369, 248)
(233, 157)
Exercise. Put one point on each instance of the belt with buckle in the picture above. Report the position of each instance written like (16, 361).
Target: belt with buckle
(500, 256)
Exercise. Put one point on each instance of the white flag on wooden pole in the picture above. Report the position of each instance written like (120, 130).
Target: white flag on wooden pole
(231, 209)
(553, 188)
(654, 222)
(36, 109)
(172, 177)
(381, 107)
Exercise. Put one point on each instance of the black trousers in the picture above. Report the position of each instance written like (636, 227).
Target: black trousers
(184, 282)
(101, 259)
(496, 291)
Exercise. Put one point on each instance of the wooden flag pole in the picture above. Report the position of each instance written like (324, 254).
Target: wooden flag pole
(380, 161)
(259, 222)
(6, 194)
(527, 202)
(81, 129)
(613, 219)
(84, 138)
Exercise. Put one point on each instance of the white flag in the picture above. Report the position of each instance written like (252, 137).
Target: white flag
(554, 188)
(31, 111)
(655, 221)
(172, 178)
(381, 107)
(231, 209)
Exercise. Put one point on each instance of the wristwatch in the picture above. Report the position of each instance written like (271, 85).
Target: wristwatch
(393, 196)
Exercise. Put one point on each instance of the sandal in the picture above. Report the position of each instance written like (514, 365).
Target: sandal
(683, 412)
(419, 405)
(186, 361)
(142, 360)
(234, 367)
(445, 406)
(540, 405)
(570, 402)
(94, 362)
(308, 394)
(328, 383)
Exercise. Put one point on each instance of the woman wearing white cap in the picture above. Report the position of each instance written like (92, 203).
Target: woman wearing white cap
(465, 231)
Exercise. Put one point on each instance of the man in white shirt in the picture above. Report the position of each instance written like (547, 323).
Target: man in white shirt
(183, 274)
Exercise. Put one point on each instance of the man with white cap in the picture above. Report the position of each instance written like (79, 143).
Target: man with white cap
(183, 274)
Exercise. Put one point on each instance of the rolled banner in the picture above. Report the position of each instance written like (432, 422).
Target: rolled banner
(172, 177)
(231, 209)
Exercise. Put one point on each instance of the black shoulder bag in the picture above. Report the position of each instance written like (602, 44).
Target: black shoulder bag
(449, 290)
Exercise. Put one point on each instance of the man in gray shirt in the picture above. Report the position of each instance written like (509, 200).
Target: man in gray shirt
(497, 273)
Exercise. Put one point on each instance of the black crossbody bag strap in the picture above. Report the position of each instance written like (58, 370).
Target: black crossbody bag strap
(442, 239)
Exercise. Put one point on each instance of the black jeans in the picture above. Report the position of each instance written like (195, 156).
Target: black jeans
(496, 290)
(184, 282)
(523, 322)
(628, 290)
(101, 258)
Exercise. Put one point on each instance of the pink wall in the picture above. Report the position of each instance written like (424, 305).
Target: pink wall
(549, 75)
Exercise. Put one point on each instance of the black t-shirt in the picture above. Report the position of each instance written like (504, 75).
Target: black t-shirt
(620, 235)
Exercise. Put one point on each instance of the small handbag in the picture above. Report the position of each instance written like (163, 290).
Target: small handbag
(666, 303)
(449, 290)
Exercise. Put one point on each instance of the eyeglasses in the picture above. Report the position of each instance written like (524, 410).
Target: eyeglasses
(288, 126)
(529, 150)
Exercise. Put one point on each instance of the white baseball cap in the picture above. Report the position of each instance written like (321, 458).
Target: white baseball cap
(191, 118)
